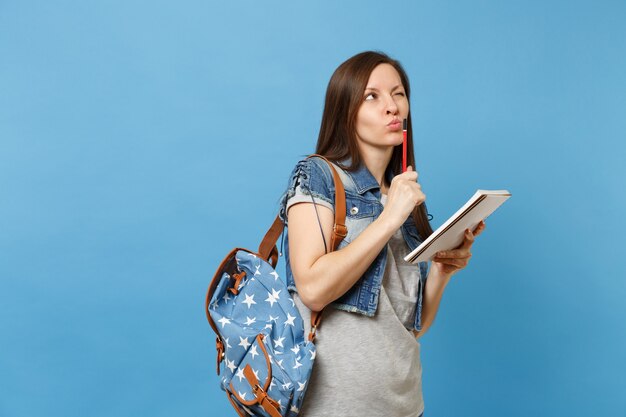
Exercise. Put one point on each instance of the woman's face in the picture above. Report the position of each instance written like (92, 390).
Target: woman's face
(384, 107)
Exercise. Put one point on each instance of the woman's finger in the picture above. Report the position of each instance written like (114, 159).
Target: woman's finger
(454, 262)
(468, 241)
(453, 254)
(479, 228)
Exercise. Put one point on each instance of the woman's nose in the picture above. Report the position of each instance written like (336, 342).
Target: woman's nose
(392, 106)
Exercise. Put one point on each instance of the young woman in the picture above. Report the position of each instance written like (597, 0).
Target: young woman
(375, 304)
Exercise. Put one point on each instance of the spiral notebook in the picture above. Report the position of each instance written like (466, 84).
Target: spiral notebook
(450, 234)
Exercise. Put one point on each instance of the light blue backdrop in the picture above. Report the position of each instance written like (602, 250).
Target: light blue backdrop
(142, 140)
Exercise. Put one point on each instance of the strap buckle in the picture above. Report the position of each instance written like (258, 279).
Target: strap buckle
(340, 230)
(261, 396)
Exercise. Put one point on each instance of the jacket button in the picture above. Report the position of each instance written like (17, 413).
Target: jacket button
(354, 210)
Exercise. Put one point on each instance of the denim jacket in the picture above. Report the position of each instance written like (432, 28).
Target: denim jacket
(363, 206)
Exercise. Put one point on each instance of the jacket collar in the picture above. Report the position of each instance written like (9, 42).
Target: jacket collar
(363, 178)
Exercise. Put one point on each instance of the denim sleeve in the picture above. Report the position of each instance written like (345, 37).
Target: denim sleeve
(310, 177)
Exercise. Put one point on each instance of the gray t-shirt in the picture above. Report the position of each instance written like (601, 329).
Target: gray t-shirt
(369, 366)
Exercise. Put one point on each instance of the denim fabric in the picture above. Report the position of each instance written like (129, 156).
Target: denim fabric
(274, 347)
(313, 177)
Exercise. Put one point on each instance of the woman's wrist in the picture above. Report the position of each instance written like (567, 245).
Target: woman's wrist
(437, 276)
(387, 223)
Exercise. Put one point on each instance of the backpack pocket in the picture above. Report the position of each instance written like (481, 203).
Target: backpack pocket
(259, 383)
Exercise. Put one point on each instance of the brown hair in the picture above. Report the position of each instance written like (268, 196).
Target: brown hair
(344, 95)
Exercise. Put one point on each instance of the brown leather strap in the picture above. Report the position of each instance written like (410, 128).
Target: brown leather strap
(316, 319)
(213, 285)
(264, 400)
(268, 244)
(220, 352)
(339, 228)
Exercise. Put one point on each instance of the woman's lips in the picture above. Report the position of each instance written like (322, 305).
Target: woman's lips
(395, 125)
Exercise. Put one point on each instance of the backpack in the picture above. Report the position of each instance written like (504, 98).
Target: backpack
(267, 361)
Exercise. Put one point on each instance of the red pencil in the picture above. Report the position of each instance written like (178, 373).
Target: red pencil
(404, 127)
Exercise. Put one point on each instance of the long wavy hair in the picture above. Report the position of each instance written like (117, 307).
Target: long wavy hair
(337, 139)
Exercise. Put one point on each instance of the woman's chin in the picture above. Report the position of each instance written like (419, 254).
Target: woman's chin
(397, 140)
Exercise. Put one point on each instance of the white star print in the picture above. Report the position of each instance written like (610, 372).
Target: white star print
(268, 326)
(297, 365)
(249, 320)
(301, 386)
(272, 318)
(295, 349)
(257, 272)
(313, 353)
(249, 300)
(256, 373)
(253, 351)
(224, 321)
(279, 342)
(240, 374)
(290, 320)
(230, 365)
(227, 344)
(275, 274)
(248, 410)
(294, 409)
(279, 363)
(286, 386)
(271, 385)
(293, 304)
(242, 395)
(226, 297)
(244, 342)
(214, 304)
(271, 298)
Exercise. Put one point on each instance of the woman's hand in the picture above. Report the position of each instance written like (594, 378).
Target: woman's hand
(404, 194)
(449, 262)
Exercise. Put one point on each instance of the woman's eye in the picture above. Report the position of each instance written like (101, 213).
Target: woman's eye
(370, 96)
(400, 93)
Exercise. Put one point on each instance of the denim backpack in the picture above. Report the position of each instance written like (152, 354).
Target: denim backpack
(260, 333)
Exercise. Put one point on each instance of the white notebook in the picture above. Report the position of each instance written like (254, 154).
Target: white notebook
(450, 234)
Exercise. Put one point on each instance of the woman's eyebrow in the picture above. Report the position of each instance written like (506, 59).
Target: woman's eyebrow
(395, 87)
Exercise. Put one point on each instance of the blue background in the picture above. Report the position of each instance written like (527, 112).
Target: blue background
(141, 140)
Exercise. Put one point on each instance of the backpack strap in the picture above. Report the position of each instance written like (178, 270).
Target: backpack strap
(268, 250)
(339, 228)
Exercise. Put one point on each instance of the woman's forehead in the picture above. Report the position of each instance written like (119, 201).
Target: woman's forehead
(384, 76)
